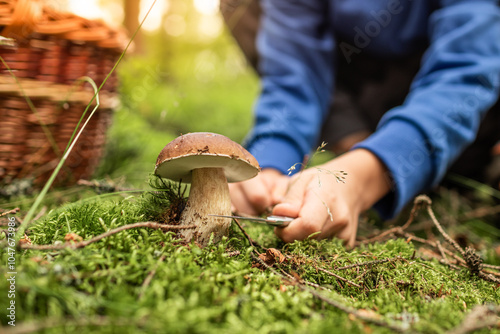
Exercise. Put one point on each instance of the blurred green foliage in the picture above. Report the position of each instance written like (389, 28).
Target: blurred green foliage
(178, 86)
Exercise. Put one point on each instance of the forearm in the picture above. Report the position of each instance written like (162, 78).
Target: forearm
(297, 79)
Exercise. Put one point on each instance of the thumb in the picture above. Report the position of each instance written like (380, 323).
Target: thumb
(279, 190)
(292, 202)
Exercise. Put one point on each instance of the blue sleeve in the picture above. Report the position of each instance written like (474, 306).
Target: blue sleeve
(296, 49)
(456, 85)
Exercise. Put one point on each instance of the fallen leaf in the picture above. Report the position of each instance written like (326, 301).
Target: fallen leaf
(25, 240)
(73, 237)
(271, 256)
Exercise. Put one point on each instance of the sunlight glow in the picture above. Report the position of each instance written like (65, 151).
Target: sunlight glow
(174, 25)
(89, 9)
(155, 18)
(210, 26)
(206, 7)
(110, 12)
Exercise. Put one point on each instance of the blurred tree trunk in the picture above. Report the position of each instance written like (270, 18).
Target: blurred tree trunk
(131, 22)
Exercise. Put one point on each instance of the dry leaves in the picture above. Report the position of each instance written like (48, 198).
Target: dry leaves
(272, 256)
(73, 237)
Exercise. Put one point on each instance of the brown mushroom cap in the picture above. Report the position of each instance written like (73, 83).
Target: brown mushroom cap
(205, 150)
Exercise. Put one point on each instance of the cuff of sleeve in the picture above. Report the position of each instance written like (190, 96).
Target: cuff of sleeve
(402, 148)
(276, 152)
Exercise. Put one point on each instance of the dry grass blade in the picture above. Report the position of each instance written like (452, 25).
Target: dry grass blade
(72, 141)
(480, 317)
(150, 276)
(340, 277)
(152, 225)
(369, 263)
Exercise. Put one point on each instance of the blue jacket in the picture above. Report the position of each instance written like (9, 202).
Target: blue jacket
(457, 83)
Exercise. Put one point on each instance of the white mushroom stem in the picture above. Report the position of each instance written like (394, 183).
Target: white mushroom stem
(209, 194)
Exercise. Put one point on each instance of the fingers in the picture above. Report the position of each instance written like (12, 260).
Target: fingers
(312, 218)
(259, 194)
(320, 211)
(279, 189)
(292, 202)
(250, 197)
(239, 202)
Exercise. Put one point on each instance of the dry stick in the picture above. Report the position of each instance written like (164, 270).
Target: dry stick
(445, 235)
(441, 250)
(491, 266)
(40, 214)
(81, 244)
(432, 244)
(369, 263)
(233, 253)
(488, 277)
(452, 242)
(451, 265)
(149, 278)
(340, 277)
(252, 242)
(480, 213)
(291, 278)
(380, 237)
(36, 326)
(336, 304)
(481, 316)
(10, 212)
(417, 204)
(491, 272)
(100, 185)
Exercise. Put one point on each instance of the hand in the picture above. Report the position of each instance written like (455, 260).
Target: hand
(330, 208)
(255, 196)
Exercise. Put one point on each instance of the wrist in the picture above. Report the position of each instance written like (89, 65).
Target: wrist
(367, 177)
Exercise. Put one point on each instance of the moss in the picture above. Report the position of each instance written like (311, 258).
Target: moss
(214, 290)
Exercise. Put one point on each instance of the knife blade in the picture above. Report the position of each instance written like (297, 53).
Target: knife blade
(280, 221)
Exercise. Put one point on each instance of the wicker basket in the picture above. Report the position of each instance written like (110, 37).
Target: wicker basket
(51, 51)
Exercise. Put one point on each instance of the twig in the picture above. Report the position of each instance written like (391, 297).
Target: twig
(340, 277)
(488, 277)
(332, 302)
(252, 242)
(481, 316)
(149, 278)
(428, 202)
(81, 244)
(40, 214)
(432, 244)
(369, 263)
(232, 254)
(10, 212)
(417, 205)
(418, 202)
(485, 265)
(451, 265)
(380, 237)
(480, 213)
(350, 310)
(102, 187)
(441, 250)
(491, 272)
(102, 321)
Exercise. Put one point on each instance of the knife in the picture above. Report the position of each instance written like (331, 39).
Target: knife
(280, 221)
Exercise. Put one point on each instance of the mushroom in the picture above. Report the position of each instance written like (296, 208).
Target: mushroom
(208, 161)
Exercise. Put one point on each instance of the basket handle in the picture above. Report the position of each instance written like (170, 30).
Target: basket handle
(24, 18)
